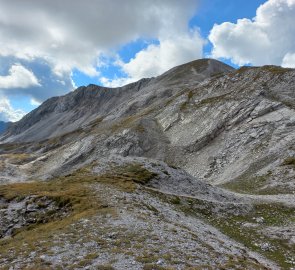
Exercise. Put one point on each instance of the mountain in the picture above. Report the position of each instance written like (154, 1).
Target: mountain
(3, 126)
(193, 168)
(59, 115)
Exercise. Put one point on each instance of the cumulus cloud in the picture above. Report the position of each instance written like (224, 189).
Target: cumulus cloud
(19, 77)
(7, 113)
(51, 38)
(71, 34)
(22, 79)
(170, 52)
(158, 58)
(268, 38)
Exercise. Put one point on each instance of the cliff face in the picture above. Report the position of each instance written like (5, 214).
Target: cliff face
(202, 147)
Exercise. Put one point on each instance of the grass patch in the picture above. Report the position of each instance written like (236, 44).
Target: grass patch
(147, 258)
(131, 121)
(74, 191)
(16, 158)
(13, 147)
(257, 185)
(96, 121)
(104, 267)
(243, 69)
(247, 185)
(140, 128)
(175, 200)
(251, 237)
(151, 266)
(133, 173)
(276, 69)
(290, 161)
(233, 225)
(214, 99)
(184, 105)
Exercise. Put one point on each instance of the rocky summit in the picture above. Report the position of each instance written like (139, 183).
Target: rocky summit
(193, 169)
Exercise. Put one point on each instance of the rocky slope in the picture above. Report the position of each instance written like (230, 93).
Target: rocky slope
(196, 166)
(59, 115)
(3, 126)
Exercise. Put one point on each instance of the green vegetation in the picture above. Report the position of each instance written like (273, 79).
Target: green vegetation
(76, 192)
(175, 200)
(147, 258)
(289, 161)
(105, 267)
(140, 128)
(184, 105)
(276, 69)
(214, 99)
(16, 158)
(259, 185)
(96, 121)
(243, 69)
(13, 147)
(151, 266)
(259, 218)
(251, 185)
(251, 236)
(131, 121)
(133, 173)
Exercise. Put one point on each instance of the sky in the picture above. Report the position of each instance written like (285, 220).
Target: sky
(49, 48)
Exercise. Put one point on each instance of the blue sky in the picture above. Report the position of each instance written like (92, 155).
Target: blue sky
(120, 42)
(219, 11)
(207, 14)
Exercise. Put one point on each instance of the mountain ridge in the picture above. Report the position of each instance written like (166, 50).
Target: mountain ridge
(98, 96)
(199, 159)
(3, 126)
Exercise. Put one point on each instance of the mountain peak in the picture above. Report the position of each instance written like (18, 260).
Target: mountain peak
(196, 70)
(63, 114)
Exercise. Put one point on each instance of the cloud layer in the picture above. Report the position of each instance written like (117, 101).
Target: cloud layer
(41, 42)
(71, 34)
(18, 77)
(267, 39)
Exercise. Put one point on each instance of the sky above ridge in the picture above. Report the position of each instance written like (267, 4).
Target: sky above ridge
(48, 48)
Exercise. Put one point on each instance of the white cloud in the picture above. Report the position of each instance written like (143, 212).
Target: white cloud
(7, 113)
(72, 34)
(22, 79)
(35, 102)
(158, 58)
(116, 82)
(53, 38)
(19, 77)
(267, 39)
